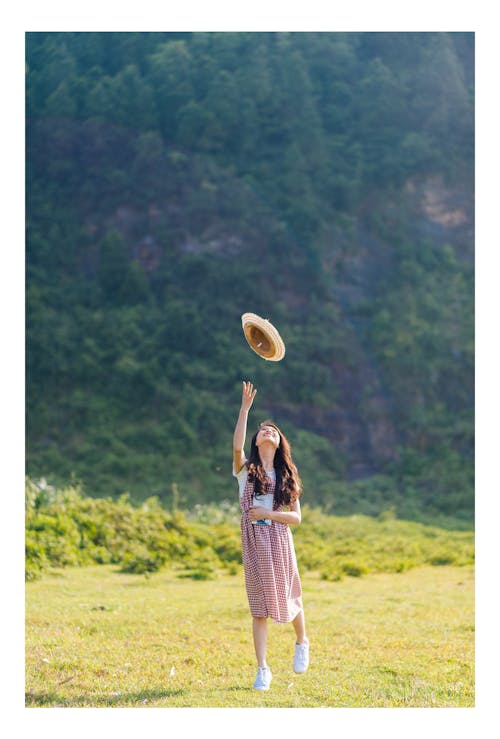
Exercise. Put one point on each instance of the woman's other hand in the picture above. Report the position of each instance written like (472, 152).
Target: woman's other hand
(259, 513)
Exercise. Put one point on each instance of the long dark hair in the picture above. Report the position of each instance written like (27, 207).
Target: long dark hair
(288, 483)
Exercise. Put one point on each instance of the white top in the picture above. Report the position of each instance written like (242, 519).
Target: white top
(266, 501)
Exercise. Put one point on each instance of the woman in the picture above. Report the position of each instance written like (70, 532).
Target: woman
(269, 483)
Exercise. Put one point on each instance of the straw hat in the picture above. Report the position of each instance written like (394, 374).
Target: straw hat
(263, 337)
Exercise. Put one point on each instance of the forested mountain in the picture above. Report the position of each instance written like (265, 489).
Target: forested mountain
(321, 180)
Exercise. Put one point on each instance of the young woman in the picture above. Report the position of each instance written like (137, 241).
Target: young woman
(269, 497)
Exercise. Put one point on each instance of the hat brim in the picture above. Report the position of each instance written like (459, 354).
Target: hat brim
(263, 337)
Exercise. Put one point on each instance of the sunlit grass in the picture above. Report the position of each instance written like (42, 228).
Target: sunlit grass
(97, 637)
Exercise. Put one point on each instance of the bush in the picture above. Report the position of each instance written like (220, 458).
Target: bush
(35, 558)
(443, 557)
(202, 564)
(354, 569)
(140, 560)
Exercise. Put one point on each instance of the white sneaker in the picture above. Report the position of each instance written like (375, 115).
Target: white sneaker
(301, 658)
(263, 679)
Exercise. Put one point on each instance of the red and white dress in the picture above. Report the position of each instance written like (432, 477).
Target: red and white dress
(271, 575)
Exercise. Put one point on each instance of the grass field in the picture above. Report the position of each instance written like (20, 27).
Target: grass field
(96, 637)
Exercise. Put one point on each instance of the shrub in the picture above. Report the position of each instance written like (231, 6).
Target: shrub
(333, 575)
(140, 560)
(202, 564)
(35, 557)
(443, 557)
(354, 569)
(227, 543)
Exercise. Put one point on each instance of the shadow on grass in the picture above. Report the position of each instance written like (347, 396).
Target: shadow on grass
(53, 699)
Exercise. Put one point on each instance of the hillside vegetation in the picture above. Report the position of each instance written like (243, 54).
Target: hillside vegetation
(322, 180)
(65, 528)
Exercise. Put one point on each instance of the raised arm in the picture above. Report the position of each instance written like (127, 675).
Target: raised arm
(240, 431)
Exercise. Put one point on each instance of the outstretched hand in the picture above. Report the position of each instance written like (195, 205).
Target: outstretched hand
(247, 395)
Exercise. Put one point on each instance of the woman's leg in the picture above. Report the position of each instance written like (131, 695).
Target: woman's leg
(260, 639)
(301, 656)
(299, 624)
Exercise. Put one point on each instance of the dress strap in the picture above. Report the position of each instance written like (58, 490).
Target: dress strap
(246, 501)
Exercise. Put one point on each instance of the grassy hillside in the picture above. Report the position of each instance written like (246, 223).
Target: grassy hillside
(322, 180)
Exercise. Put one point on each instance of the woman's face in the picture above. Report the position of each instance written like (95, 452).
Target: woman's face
(268, 434)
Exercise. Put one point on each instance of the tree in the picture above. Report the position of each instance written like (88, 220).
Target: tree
(114, 265)
(62, 102)
(171, 73)
(443, 99)
(134, 100)
(50, 64)
(379, 117)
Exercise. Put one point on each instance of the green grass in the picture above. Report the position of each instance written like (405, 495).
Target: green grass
(96, 637)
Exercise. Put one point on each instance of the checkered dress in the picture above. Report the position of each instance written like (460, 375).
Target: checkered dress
(271, 576)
